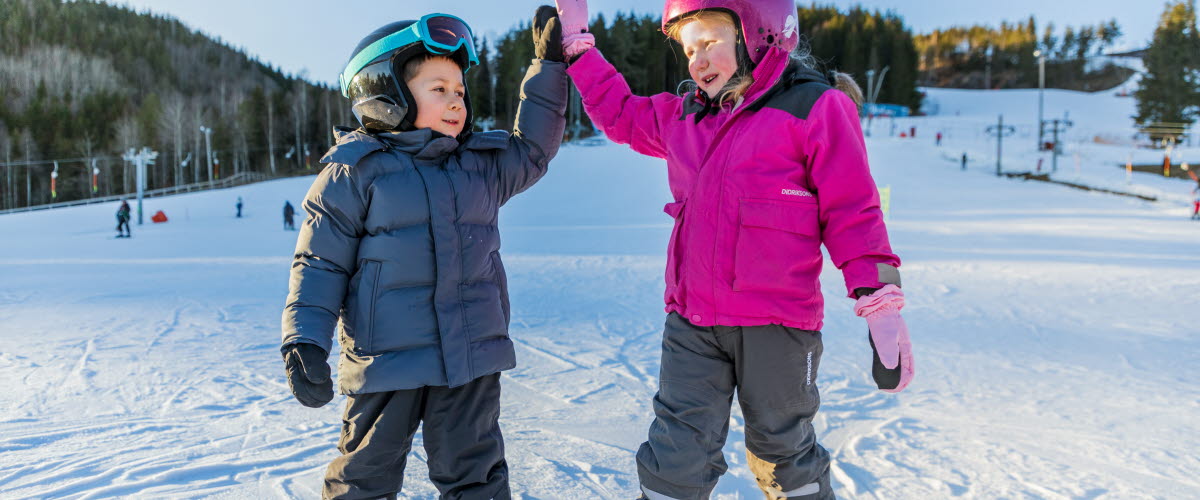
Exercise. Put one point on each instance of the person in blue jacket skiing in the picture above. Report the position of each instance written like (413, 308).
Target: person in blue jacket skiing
(401, 249)
(123, 216)
(289, 213)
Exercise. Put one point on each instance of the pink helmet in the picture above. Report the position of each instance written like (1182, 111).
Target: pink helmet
(765, 23)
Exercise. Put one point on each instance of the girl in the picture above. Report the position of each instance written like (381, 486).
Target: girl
(766, 161)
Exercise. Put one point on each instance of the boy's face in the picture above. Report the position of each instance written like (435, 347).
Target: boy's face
(709, 46)
(438, 89)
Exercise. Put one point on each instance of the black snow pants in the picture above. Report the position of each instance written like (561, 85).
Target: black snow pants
(774, 370)
(462, 440)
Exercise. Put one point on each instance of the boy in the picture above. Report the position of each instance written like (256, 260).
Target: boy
(401, 247)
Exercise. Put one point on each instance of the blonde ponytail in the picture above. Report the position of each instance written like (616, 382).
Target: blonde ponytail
(847, 85)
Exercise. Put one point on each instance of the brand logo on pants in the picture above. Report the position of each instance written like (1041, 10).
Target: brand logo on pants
(808, 374)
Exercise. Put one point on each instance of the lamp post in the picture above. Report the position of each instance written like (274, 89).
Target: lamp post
(208, 149)
(1041, 94)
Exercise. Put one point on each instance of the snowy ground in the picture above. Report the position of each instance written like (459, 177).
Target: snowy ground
(1055, 333)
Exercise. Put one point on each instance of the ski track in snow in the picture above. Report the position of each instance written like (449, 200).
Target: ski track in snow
(1055, 342)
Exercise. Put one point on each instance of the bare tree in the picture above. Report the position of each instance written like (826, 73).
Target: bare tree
(6, 145)
(62, 71)
(87, 149)
(196, 111)
(29, 148)
(299, 117)
(328, 120)
(170, 125)
(240, 145)
(128, 137)
(271, 129)
(6, 148)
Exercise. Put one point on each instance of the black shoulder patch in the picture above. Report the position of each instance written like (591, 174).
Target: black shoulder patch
(798, 100)
(691, 105)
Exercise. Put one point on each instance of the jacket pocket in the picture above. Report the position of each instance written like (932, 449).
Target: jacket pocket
(675, 210)
(368, 289)
(502, 283)
(778, 245)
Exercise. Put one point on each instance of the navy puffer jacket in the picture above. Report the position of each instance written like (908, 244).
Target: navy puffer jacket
(401, 248)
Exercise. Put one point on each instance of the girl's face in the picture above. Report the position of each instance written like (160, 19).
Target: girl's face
(441, 97)
(710, 46)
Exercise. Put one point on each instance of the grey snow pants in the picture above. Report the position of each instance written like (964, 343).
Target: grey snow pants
(462, 440)
(774, 370)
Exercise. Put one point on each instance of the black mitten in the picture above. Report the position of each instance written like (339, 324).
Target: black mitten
(308, 374)
(884, 378)
(547, 35)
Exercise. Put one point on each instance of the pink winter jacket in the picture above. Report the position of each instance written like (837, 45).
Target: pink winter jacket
(757, 189)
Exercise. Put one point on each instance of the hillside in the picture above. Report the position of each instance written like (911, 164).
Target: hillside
(86, 79)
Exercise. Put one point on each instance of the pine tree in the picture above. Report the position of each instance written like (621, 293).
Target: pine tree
(482, 88)
(1169, 94)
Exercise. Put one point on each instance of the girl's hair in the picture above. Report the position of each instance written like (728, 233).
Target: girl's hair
(737, 86)
(802, 56)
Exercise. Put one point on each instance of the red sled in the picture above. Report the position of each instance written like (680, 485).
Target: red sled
(159, 217)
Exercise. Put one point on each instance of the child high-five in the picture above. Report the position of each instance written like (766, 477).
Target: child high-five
(766, 162)
(400, 255)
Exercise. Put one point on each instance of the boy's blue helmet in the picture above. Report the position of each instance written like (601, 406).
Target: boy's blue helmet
(374, 77)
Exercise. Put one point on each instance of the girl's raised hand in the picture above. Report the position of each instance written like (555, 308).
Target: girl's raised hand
(573, 14)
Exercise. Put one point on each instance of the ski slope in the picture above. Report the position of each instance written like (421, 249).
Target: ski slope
(1055, 335)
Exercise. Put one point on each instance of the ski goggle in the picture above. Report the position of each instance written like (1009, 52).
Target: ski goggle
(440, 33)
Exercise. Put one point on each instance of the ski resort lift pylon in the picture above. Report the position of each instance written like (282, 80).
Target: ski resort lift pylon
(1057, 126)
(1000, 131)
(140, 159)
(873, 88)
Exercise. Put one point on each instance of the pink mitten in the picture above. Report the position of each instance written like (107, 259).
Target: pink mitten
(573, 14)
(893, 364)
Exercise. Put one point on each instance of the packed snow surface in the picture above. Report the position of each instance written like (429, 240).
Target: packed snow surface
(1056, 334)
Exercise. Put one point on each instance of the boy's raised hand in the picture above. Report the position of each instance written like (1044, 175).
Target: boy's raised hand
(547, 35)
(308, 374)
(892, 367)
(573, 14)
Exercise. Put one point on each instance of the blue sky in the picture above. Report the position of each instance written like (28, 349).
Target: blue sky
(315, 37)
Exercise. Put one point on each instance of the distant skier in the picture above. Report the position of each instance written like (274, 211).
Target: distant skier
(123, 216)
(1196, 201)
(743, 299)
(239, 207)
(939, 139)
(964, 161)
(288, 214)
(422, 312)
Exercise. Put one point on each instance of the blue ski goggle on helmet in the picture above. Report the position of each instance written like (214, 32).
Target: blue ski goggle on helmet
(440, 33)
